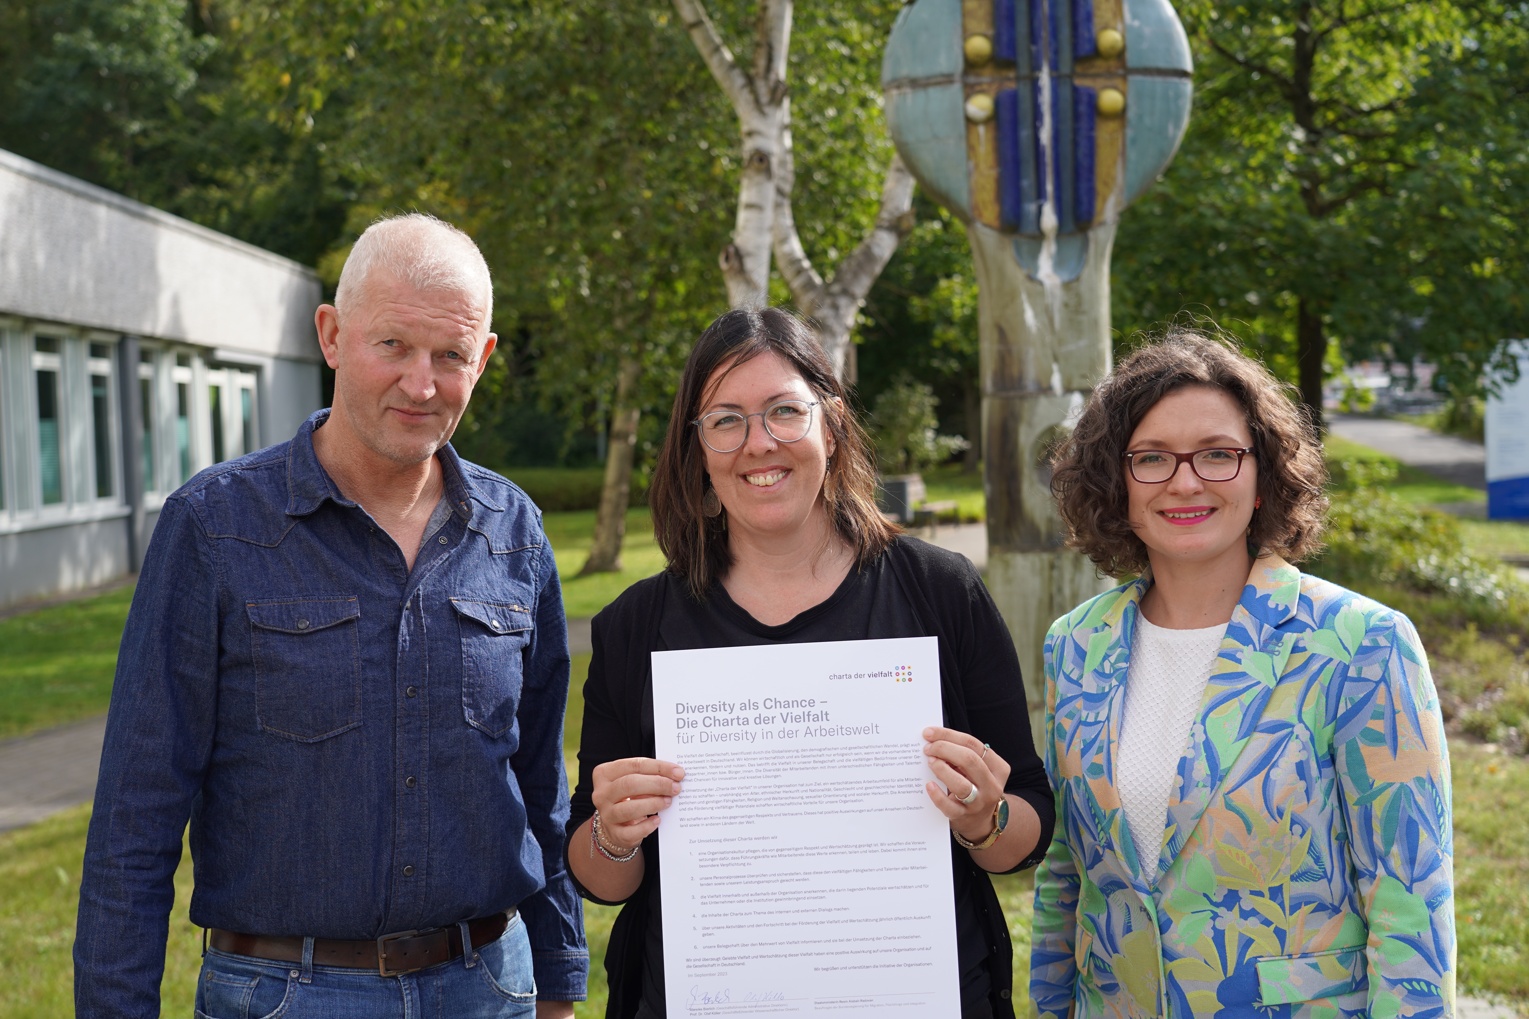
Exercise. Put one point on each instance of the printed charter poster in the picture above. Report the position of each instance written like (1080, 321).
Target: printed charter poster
(805, 871)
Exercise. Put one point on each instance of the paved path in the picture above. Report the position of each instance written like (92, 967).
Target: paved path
(1458, 460)
(48, 771)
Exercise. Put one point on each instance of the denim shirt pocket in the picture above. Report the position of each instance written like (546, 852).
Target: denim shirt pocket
(493, 636)
(307, 666)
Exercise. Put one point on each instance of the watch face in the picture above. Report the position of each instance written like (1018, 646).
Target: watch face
(1001, 819)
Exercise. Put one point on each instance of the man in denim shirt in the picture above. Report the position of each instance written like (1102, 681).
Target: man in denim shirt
(347, 664)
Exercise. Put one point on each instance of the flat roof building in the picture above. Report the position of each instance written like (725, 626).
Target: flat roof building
(136, 348)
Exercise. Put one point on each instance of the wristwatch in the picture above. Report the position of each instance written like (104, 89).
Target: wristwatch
(1000, 822)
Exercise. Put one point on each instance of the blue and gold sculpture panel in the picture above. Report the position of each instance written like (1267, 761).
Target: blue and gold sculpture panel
(1037, 117)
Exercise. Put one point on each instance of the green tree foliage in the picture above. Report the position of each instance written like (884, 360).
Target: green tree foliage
(96, 89)
(147, 97)
(906, 428)
(920, 320)
(1353, 173)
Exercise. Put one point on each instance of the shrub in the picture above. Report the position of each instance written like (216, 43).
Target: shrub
(1376, 544)
(1468, 609)
(557, 489)
(905, 428)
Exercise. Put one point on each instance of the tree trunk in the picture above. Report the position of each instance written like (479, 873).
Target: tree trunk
(971, 411)
(758, 97)
(834, 303)
(616, 489)
(1311, 353)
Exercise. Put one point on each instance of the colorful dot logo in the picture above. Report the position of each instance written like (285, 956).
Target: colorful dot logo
(902, 674)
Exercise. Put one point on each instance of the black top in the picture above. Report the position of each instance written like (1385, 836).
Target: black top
(912, 590)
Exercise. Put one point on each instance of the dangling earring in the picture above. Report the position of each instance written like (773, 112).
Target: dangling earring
(1258, 501)
(828, 468)
(711, 505)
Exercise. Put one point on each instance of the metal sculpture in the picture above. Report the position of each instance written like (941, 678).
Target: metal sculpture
(1036, 122)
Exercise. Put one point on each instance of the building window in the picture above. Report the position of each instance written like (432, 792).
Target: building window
(4, 481)
(62, 428)
(183, 451)
(47, 366)
(103, 419)
(148, 409)
(231, 407)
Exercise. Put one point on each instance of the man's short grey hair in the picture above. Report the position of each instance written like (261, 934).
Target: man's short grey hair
(417, 249)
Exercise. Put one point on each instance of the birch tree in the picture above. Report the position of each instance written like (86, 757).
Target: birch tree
(764, 222)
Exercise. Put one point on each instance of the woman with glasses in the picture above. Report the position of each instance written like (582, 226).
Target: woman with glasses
(1253, 799)
(763, 501)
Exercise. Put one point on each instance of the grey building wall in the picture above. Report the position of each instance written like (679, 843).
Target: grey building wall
(97, 272)
(63, 557)
(75, 253)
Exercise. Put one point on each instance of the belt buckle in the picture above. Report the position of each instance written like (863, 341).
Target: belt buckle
(382, 953)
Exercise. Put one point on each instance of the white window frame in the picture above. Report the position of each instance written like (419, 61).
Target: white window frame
(105, 368)
(234, 381)
(160, 366)
(20, 433)
(147, 370)
(8, 329)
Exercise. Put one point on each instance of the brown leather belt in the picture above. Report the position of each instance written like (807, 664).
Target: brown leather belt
(390, 955)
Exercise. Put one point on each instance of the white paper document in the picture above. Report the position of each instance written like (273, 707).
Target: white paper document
(805, 871)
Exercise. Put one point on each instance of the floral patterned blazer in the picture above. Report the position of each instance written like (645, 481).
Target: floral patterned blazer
(1306, 860)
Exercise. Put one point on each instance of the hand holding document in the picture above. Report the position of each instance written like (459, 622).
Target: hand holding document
(805, 869)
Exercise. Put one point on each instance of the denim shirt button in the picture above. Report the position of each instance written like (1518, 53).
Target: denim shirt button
(496, 624)
(442, 539)
(408, 870)
(411, 782)
(410, 691)
(302, 624)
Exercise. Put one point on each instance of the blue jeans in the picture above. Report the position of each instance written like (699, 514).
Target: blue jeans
(494, 981)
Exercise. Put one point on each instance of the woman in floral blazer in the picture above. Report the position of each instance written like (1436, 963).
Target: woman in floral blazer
(1253, 799)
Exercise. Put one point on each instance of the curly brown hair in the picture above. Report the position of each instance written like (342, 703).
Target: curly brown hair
(1088, 467)
(696, 545)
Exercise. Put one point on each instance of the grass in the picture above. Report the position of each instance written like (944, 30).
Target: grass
(571, 534)
(40, 872)
(1491, 810)
(950, 481)
(1496, 537)
(1412, 486)
(59, 661)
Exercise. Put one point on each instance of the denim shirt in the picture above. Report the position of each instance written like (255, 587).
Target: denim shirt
(361, 748)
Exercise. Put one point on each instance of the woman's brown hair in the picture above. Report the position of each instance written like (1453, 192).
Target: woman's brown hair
(696, 545)
(1088, 468)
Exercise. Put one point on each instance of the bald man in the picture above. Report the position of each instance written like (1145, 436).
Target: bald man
(346, 665)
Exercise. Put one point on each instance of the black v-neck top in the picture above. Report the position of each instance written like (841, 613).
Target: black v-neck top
(912, 590)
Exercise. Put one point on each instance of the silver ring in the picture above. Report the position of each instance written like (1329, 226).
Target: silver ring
(985, 748)
(970, 797)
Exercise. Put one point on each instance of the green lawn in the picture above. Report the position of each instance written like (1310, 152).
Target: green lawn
(571, 535)
(949, 481)
(1412, 486)
(58, 662)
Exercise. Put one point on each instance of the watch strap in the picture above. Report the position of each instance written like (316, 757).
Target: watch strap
(992, 836)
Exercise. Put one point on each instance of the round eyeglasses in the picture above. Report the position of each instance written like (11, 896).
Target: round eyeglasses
(725, 431)
(1155, 466)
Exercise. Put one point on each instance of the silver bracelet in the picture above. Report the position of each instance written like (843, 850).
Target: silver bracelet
(596, 839)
